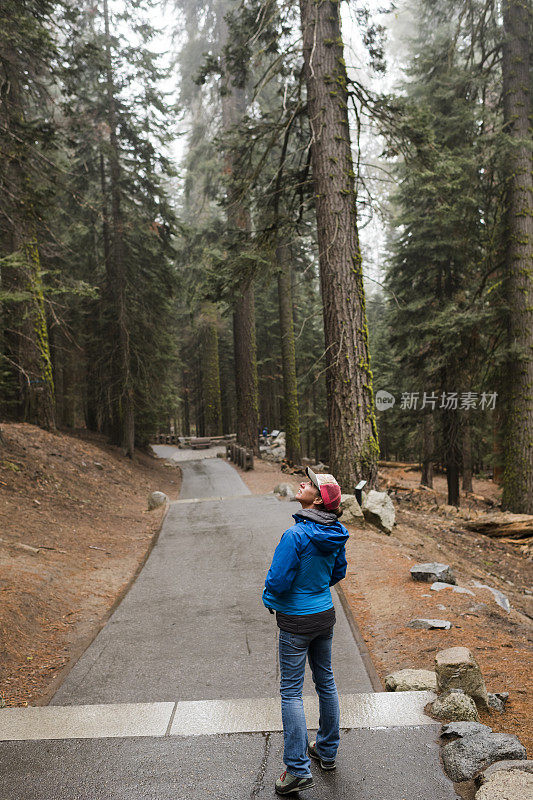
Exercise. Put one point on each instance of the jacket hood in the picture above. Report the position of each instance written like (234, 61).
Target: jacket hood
(326, 532)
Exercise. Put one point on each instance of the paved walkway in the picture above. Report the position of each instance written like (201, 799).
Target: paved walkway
(177, 698)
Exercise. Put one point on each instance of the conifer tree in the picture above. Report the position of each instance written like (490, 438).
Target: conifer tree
(26, 56)
(351, 421)
(518, 439)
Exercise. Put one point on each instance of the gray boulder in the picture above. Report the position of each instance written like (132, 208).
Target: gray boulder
(156, 499)
(285, 490)
(498, 700)
(455, 705)
(465, 757)
(430, 624)
(432, 572)
(351, 510)
(522, 764)
(499, 597)
(506, 785)
(378, 509)
(457, 668)
(461, 729)
(411, 680)
(438, 586)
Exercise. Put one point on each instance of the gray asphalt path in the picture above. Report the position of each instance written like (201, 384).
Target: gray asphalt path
(396, 764)
(173, 453)
(193, 628)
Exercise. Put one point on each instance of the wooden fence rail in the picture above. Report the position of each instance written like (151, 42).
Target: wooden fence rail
(240, 455)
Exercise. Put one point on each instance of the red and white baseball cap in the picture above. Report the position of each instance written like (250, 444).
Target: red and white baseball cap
(329, 489)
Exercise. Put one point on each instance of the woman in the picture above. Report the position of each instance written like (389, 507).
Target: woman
(309, 558)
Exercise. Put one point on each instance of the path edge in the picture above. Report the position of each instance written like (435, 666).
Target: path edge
(366, 658)
(84, 643)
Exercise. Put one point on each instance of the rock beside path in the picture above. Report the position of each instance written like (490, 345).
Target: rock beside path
(507, 785)
(285, 490)
(498, 700)
(499, 597)
(430, 624)
(351, 510)
(378, 509)
(455, 705)
(461, 729)
(522, 764)
(411, 680)
(457, 668)
(438, 586)
(433, 572)
(156, 499)
(465, 757)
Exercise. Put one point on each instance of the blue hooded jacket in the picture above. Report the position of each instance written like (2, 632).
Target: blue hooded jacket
(309, 558)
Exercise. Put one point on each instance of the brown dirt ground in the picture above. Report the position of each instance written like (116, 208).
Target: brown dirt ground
(383, 598)
(83, 505)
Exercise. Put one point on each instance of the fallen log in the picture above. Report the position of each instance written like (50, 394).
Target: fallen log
(398, 465)
(481, 499)
(513, 526)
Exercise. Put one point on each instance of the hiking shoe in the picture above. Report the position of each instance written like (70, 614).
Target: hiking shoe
(287, 783)
(313, 752)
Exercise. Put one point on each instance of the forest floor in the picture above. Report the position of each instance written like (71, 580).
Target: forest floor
(74, 532)
(383, 597)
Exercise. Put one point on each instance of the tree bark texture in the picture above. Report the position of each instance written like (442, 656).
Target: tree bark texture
(246, 369)
(118, 263)
(428, 451)
(288, 358)
(517, 476)
(352, 427)
(186, 414)
(211, 379)
(467, 453)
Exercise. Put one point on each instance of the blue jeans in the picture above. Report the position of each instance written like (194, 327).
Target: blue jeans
(293, 650)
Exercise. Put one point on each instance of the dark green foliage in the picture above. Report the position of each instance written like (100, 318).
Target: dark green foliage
(444, 330)
(64, 61)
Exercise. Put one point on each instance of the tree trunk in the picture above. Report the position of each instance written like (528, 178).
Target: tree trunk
(517, 476)
(467, 453)
(428, 448)
(353, 440)
(452, 451)
(238, 216)
(246, 369)
(118, 262)
(211, 380)
(290, 389)
(186, 418)
(30, 342)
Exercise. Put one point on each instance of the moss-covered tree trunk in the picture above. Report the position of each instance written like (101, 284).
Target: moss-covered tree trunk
(37, 382)
(517, 476)
(290, 388)
(351, 421)
(30, 347)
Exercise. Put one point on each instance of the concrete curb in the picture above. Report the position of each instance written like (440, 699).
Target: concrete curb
(375, 680)
(82, 646)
